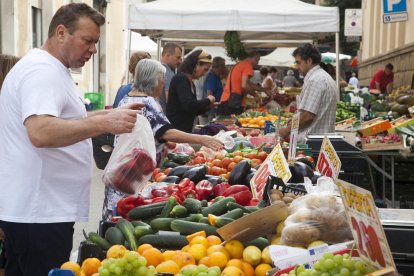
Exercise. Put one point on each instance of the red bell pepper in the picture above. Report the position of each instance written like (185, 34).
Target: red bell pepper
(204, 189)
(160, 193)
(220, 188)
(253, 202)
(243, 197)
(235, 189)
(159, 199)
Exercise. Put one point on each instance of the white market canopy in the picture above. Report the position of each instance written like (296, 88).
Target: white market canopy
(282, 22)
(279, 57)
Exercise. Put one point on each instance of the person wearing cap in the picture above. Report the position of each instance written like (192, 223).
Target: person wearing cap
(182, 105)
(289, 80)
(383, 80)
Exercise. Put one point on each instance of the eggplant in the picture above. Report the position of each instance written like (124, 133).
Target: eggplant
(179, 158)
(172, 179)
(213, 179)
(300, 170)
(306, 161)
(239, 173)
(179, 171)
(315, 177)
(196, 174)
(249, 176)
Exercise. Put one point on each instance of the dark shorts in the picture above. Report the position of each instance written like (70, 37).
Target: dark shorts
(33, 249)
(224, 109)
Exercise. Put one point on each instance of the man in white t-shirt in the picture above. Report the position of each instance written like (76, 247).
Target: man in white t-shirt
(46, 153)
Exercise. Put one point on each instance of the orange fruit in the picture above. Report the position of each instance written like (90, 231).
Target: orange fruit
(261, 269)
(185, 248)
(213, 240)
(235, 262)
(203, 261)
(143, 247)
(153, 256)
(75, 267)
(199, 240)
(196, 234)
(198, 251)
(169, 254)
(168, 267)
(90, 266)
(217, 259)
(232, 271)
(116, 251)
(218, 248)
(247, 269)
(183, 259)
(235, 248)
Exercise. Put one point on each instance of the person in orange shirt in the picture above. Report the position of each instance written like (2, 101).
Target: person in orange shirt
(239, 81)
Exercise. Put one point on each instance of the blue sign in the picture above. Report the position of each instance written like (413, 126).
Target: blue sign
(394, 6)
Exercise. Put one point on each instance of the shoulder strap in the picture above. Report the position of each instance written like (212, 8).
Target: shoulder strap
(231, 71)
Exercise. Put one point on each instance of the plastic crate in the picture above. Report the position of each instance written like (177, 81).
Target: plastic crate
(103, 226)
(88, 250)
(406, 203)
(355, 178)
(96, 100)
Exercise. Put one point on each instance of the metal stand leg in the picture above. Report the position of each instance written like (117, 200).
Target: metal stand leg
(371, 179)
(383, 177)
(392, 182)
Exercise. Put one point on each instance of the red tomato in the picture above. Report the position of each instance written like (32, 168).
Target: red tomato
(251, 155)
(200, 153)
(199, 160)
(231, 166)
(219, 155)
(159, 177)
(255, 162)
(209, 159)
(155, 172)
(237, 159)
(215, 170)
(262, 155)
(237, 153)
(217, 163)
(167, 170)
(225, 162)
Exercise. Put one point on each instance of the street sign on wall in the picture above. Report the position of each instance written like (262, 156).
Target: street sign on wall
(394, 10)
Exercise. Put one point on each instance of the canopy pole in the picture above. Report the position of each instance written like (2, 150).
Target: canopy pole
(337, 63)
(159, 49)
(128, 53)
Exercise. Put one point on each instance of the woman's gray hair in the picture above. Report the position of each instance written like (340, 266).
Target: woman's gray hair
(148, 73)
(290, 73)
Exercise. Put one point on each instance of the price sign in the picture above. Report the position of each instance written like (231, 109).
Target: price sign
(276, 165)
(328, 161)
(293, 138)
(365, 225)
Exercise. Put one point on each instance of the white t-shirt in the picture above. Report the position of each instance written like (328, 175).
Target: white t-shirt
(41, 185)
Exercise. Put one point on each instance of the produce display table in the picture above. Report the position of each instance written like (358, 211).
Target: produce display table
(390, 155)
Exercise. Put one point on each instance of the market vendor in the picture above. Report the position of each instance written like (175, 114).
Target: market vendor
(317, 101)
(383, 80)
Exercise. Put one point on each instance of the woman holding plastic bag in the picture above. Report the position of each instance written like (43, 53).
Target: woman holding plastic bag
(147, 86)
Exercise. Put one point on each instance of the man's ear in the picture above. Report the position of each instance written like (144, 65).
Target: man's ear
(61, 32)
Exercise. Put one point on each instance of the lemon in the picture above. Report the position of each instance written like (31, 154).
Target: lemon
(252, 255)
(275, 240)
(316, 243)
(261, 269)
(279, 228)
(266, 256)
(232, 271)
(235, 248)
(198, 251)
(75, 267)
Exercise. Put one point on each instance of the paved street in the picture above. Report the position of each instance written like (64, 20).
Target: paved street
(97, 197)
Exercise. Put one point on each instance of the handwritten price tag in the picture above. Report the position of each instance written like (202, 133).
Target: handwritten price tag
(328, 163)
(293, 138)
(365, 225)
(276, 165)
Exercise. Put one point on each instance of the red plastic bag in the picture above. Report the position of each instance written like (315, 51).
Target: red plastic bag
(132, 160)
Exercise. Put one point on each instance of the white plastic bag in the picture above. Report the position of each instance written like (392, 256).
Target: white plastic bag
(133, 159)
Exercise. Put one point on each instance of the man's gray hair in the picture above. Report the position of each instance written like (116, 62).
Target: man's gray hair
(148, 73)
(290, 72)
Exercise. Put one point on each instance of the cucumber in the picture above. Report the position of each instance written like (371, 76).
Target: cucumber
(253, 208)
(218, 208)
(193, 205)
(128, 230)
(146, 211)
(136, 223)
(98, 240)
(165, 213)
(261, 243)
(204, 203)
(218, 198)
(179, 211)
(189, 227)
(114, 236)
(221, 221)
(164, 241)
(204, 220)
(194, 217)
(233, 205)
(233, 214)
(161, 224)
(140, 231)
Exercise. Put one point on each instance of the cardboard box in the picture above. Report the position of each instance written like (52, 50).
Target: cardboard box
(256, 224)
(400, 122)
(374, 126)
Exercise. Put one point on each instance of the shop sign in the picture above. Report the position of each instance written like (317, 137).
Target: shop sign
(276, 165)
(353, 22)
(394, 10)
(294, 132)
(365, 225)
(328, 163)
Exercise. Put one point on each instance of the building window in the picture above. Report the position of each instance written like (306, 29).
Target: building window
(36, 27)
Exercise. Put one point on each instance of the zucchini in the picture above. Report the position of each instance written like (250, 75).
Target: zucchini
(261, 243)
(253, 208)
(189, 227)
(194, 217)
(161, 224)
(164, 241)
(179, 211)
(218, 198)
(171, 202)
(233, 214)
(98, 240)
(204, 203)
(128, 230)
(136, 223)
(221, 221)
(146, 211)
(204, 220)
(218, 208)
(114, 236)
(193, 205)
(233, 205)
(140, 231)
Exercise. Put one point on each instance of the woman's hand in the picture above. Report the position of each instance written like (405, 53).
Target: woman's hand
(211, 142)
(211, 99)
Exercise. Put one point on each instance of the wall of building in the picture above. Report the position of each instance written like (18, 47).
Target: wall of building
(386, 43)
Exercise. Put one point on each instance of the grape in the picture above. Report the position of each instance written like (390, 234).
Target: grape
(328, 255)
(142, 271)
(202, 274)
(142, 261)
(213, 273)
(151, 270)
(215, 268)
(338, 259)
(325, 274)
(112, 267)
(104, 272)
(122, 262)
(317, 265)
(344, 272)
(360, 266)
(119, 270)
(356, 273)
(313, 273)
(300, 269)
(128, 267)
(329, 264)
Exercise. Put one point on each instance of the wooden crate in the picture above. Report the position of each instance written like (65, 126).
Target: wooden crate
(382, 146)
(374, 126)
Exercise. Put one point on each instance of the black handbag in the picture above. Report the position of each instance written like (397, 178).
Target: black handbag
(235, 99)
(102, 149)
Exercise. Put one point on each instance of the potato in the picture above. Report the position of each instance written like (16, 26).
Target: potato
(292, 195)
(276, 191)
(275, 197)
(287, 199)
(300, 234)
